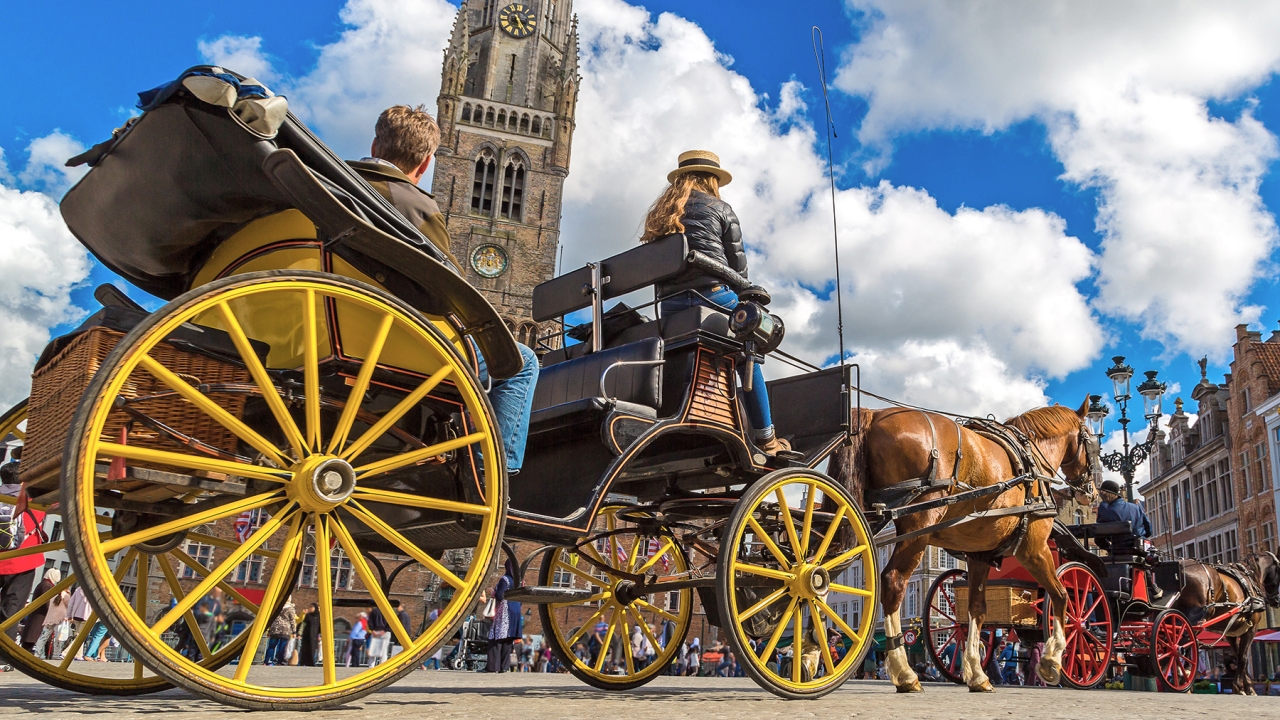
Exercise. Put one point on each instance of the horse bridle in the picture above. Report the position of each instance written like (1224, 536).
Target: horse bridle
(1093, 462)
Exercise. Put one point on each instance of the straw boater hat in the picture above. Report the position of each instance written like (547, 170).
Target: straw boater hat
(700, 161)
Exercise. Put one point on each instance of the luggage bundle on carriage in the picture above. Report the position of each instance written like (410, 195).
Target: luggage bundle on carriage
(315, 367)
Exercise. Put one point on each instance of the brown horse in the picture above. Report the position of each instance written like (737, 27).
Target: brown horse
(896, 445)
(1210, 591)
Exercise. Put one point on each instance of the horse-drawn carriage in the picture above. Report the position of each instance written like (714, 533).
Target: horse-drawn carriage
(315, 366)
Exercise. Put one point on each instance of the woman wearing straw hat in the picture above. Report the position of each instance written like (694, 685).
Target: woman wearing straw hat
(691, 205)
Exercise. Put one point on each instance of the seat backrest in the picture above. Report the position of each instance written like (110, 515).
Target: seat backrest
(677, 326)
(811, 408)
(579, 378)
(629, 271)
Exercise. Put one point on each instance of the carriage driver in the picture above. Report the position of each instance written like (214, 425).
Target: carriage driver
(1114, 508)
(405, 139)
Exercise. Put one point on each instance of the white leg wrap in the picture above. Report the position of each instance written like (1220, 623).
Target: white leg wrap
(972, 665)
(900, 672)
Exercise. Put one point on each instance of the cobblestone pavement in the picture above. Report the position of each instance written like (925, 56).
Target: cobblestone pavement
(434, 694)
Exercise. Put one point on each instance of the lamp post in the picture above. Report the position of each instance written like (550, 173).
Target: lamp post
(1126, 461)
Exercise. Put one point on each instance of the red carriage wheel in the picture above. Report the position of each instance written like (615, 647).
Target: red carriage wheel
(1088, 628)
(948, 636)
(1175, 654)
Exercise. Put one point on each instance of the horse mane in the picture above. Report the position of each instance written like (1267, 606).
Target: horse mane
(1046, 422)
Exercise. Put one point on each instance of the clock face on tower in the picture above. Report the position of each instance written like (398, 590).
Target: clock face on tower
(517, 20)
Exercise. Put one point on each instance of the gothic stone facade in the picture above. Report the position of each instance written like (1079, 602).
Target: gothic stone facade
(506, 115)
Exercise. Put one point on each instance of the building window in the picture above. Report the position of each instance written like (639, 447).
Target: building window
(562, 578)
(488, 117)
(513, 191)
(488, 12)
(1244, 473)
(202, 554)
(1230, 550)
(913, 600)
(537, 125)
(1177, 512)
(56, 533)
(1186, 501)
(250, 571)
(1224, 480)
(1248, 402)
(524, 123)
(502, 119)
(339, 570)
(1250, 541)
(1268, 537)
(466, 113)
(546, 128)
(486, 173)
(1204, 550)
(1211, 490)
(1261, 455)
(1197, 483)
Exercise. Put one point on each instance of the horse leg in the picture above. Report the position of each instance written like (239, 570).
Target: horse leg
(1038, 561)
(894, 577)
(1244, 683)
(974, 676)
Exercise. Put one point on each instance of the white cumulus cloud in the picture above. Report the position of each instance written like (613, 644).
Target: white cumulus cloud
(240, 54)
(1123, 89)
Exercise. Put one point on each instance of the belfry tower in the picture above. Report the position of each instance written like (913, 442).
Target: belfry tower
(506, 115)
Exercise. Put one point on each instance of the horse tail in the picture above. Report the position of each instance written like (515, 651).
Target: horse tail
(849, 465)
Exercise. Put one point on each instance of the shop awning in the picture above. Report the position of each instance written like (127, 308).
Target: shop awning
(1268, 636)
(1211, 639)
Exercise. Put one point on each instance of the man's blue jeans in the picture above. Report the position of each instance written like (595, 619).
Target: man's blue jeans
(757, 401)
(512, 401)
(96, 636)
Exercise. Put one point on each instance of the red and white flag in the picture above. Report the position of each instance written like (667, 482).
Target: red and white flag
(243, 523)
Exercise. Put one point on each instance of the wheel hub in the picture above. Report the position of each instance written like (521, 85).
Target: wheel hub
(322, 482)
(625, 592)
(812, 581)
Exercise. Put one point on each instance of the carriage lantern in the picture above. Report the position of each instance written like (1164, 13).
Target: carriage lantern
(1120, 374)
(1152, 392)
(1097, 415)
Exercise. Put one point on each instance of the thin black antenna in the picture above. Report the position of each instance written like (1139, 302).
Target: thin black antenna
(820, 55)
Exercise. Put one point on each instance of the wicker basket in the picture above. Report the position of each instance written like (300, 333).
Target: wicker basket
(56, 389)
(1006, 605)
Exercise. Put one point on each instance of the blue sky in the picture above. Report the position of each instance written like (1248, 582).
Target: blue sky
(80, 68)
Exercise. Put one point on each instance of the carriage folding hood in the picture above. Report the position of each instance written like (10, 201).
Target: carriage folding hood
(213, 151)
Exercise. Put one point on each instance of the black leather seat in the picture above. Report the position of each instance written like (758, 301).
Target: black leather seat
(569, 393)
(684, 324)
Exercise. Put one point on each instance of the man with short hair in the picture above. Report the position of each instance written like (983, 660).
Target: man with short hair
(1114, 508)
(405, 140)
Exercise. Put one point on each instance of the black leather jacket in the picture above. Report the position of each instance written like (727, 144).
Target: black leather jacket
(712, 228)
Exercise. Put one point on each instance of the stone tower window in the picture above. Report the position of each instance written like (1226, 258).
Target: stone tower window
(488, 117)
(502, 119)
(524, 123)
(546, 128)
(482, 186)
(527, 334)
(513, 190)
(466, 113)
(488, 12)
(537, 125)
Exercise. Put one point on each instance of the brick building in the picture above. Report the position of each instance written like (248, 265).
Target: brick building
(506, 115)
(1254, 378)
(1190, 497)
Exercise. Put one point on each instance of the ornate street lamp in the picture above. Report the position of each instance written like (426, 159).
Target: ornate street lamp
(1126, 461)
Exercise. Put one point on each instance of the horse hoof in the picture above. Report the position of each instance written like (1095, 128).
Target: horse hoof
(1050, 674)
(985, 686)
(912, 687)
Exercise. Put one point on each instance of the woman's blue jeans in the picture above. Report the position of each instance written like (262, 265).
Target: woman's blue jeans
(757, 400)
(512, 401)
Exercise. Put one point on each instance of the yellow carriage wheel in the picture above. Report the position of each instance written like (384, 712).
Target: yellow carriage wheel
(594, 637)
(795, 549)
(340, 452)
(87, 676)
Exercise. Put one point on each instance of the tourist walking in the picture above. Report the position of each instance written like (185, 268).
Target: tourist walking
(47, 643)
(279, 634)
(310, 639)
(356, 638)
(507, 622)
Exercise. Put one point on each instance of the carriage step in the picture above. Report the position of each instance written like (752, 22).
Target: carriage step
(543, 594)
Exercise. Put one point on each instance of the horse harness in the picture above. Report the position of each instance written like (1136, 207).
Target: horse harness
(898, 499)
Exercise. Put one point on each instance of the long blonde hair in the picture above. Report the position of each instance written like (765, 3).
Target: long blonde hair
(665, 213)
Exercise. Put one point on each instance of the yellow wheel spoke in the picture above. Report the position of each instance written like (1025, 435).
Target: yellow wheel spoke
(140, 601)
(826, 642)
(37, 602)
(635, 553)
(765, 602)
(414, 457)
(648, 632)
(840, 624)
(621, 614)
(391, 418)
(253, 502)
(788, 521)
(311, 369)
(606, 647)
(808, 520)
(848, 589)
(224, 543)
(777, 632)
(590, 579)
(590, 623)
(391, 497)
(768, 543)
(764, 572)
(667, 546)
(203, 571)
(327, 645)
(387, 532)
(832, 529)
(654, 608)
(270, 598)
(191, 462)
(213, 410)
(259, 374)
(371, 583)
(43, 548)
(237, 556)
(171, 578)
(844, 558)
(797, 645)
(356, 397)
